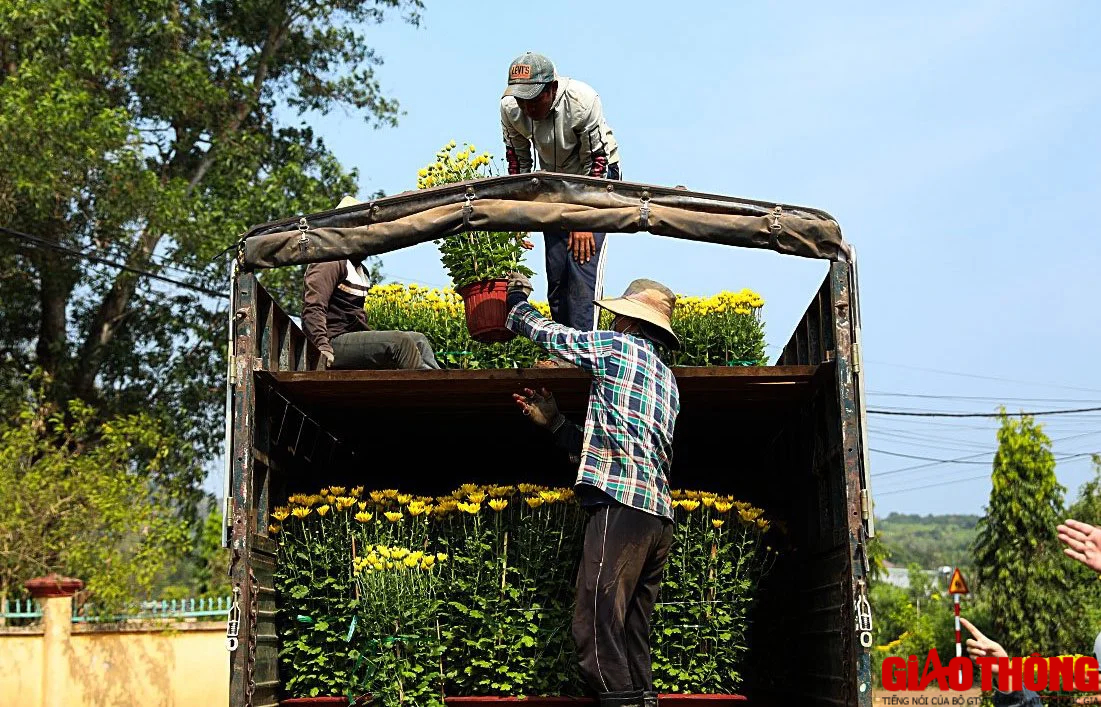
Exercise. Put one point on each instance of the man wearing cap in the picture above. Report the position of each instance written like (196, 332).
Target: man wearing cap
(564, 120)
(624, 452)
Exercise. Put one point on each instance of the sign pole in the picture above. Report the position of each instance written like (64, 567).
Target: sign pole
(959, 645)
(958, 587)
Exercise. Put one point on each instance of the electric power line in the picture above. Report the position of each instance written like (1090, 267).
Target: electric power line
(43, 243)
(1037, 413)
(958, 481)
(964, 459)
(982, 377)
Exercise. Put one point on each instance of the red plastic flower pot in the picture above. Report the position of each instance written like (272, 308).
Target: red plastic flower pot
(486, 310)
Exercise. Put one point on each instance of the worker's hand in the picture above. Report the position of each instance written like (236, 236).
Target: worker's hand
(525, 242)
(1083, 543)
(519, 283)
(583, 246)
(541, 407)
(327, 358)
(980, 646)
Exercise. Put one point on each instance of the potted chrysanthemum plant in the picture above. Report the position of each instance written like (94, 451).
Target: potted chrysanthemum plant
(478, 262)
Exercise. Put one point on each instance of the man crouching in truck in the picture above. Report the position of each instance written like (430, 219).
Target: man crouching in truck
(624, 453)
(334, 320)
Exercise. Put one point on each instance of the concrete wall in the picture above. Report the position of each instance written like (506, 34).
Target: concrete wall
(20, 666)
(177, 664)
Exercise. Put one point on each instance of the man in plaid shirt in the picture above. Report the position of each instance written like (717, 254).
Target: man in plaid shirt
(624, 453)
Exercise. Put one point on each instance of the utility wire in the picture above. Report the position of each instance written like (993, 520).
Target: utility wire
(43, 243)
(982, 377)
(963, 459)
(1037, 413)
(957, 481)
(985, 398)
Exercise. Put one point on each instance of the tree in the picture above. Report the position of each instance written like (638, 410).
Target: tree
(77, 500)
(152, 133)
(1026, 584)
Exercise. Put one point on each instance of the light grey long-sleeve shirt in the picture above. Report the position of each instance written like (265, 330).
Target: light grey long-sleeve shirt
(574, 139)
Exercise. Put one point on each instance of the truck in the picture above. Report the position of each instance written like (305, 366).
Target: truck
(789, 437)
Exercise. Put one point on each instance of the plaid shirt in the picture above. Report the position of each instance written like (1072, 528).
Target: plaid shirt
(633, 406)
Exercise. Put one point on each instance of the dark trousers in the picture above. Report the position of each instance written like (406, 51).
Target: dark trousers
(572, 286)
(617, 586)
(383, 350)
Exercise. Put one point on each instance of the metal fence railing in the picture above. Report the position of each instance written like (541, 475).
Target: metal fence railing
(27, 611)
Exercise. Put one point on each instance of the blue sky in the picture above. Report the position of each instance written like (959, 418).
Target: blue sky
(955, 142)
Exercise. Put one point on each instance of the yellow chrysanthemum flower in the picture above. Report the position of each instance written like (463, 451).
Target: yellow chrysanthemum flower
(301, 513)
(441, 557)
(689, 505)
(357, 491)
(281, 513)
(364, 517)
(498, 504)
(717, 523)
(394, 516)
(337, 490)
(416, 508)
(405, 498)
(274, 529)
(533, 501)
(322, 510)
(551, 496)
(476, 497)
(377, 496)
(722, 506)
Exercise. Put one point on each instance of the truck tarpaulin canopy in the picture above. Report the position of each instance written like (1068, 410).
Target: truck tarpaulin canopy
(541, 201)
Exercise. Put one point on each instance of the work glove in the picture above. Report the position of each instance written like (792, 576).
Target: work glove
(519, 283)
(519, 287)
(327, 358)
(541, 408)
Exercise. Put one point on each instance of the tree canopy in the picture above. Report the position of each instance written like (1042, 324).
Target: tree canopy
(152, 133)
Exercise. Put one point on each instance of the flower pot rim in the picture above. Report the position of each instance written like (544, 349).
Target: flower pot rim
(462, 291)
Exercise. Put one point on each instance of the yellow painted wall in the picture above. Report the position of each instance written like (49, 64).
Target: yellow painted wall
(20, 669)
(118, 668)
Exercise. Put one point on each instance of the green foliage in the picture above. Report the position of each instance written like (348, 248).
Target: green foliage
(473, 256)
(700, 625)
(931, 541)
(1017, 555)
(78, 501)
(147, 132)
(472, 593)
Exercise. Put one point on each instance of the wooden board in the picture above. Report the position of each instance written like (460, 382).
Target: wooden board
(458, 390)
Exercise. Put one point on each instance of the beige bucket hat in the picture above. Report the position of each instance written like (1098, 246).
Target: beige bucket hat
(648, 301)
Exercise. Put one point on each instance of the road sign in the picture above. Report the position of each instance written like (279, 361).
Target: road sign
(956, 585)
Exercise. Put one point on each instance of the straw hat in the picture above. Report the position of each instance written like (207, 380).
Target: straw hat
(650, 302)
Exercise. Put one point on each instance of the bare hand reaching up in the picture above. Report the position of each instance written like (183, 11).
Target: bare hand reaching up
(1083, 543)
